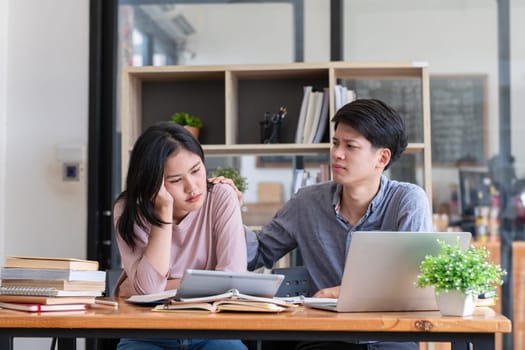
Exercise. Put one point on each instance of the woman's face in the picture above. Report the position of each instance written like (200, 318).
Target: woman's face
(185, 180)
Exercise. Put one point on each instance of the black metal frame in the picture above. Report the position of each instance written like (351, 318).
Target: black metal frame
(480, 341)
(103, 172)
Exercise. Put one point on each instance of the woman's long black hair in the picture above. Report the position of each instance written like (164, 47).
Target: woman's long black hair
(145, 174)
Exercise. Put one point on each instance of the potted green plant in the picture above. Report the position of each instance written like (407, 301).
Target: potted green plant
(239, 181)
(189, 121)
(459, 274)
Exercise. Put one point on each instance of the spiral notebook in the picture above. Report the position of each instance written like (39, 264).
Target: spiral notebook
(47, 292)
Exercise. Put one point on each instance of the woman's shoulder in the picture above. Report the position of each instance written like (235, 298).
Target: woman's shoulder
(221, 192)
(221, 188)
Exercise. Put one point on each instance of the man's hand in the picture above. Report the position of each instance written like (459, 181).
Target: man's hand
(332, 292)
(227, 181)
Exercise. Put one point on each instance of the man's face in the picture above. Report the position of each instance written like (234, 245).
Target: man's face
(354, 160)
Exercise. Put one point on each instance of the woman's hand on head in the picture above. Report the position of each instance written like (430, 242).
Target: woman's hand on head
(227, 181)
(164, 203)
(332, 292)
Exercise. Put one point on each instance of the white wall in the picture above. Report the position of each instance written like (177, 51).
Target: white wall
(225, 33)
(3, 111)
(47, 91)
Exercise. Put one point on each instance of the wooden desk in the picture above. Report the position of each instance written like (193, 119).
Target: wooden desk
(300, 324)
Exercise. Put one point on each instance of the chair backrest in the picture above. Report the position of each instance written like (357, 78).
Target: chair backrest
(296, 282)
(112, 276)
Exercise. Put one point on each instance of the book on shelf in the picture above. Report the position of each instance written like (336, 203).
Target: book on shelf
(7, 273)
(58, 284)
(338, 93)
(343, 95)
(319, 97)
(323, 173)
(314, 107)
(50, 263)
(350, 96)
(323, 118)
(298, 179)
(48, 292)
(33, 299)
(302, 114)
(232, 300)
(43, 307)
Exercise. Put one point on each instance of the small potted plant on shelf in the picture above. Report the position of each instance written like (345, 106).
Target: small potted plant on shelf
(231, 173)
(189, 121)
(458, 277)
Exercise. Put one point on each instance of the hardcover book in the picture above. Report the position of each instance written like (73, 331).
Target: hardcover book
(50, 263)
(52, 274)
(43, 307)
(31, 299)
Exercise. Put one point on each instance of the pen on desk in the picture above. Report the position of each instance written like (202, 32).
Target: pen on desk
(106, 303)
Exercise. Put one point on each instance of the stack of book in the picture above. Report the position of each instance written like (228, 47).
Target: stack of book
(313, 116)
(343, 95)
(49, 284)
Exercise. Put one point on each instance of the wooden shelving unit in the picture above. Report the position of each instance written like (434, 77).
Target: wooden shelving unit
(232, 99)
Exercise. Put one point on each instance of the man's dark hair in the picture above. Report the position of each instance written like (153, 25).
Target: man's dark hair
(377, 122)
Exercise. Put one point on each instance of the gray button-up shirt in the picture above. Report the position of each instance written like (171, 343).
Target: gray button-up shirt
(311, 222)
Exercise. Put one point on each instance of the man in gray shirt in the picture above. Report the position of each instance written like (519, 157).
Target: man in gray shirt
(319, 219)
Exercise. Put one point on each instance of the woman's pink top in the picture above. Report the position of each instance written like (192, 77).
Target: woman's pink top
(211, 238)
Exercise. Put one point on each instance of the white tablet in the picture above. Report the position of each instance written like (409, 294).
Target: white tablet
(200, 283)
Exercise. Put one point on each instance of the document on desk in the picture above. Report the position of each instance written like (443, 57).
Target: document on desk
(232, 300)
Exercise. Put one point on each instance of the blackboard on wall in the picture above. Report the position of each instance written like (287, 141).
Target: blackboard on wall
(459, 119)
(458, 106)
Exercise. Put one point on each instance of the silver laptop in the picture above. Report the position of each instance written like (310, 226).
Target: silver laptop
(201, 283)
(381, 270)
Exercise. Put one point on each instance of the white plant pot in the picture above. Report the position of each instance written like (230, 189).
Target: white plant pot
(455, 303)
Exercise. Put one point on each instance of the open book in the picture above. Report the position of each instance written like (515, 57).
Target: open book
(232, 300)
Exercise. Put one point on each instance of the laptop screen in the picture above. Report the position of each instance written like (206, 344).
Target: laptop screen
(382, 267)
